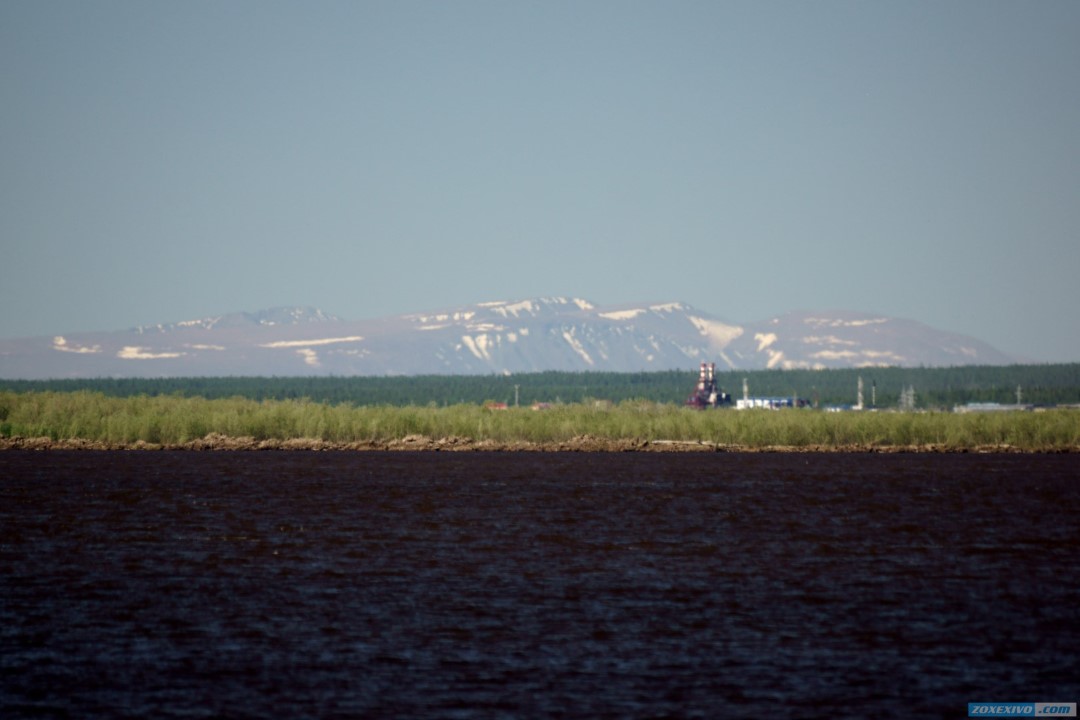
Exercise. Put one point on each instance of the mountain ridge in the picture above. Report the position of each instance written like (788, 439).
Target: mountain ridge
(504, 337)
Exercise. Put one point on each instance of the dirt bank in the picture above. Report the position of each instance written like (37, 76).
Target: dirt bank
(581, 443)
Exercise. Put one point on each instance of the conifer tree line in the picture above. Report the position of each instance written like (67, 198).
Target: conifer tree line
(933, 388)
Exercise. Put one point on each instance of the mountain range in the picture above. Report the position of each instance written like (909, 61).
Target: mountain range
(539, 334)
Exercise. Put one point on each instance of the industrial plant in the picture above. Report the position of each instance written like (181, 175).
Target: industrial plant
(708, 394)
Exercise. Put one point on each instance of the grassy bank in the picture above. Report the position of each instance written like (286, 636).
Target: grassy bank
(175, 420)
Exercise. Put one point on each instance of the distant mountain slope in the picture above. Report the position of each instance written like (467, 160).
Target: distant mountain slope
(532, 335)
(273, 316)
(848, 339)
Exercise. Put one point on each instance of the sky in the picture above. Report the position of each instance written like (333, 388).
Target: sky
(166, 161)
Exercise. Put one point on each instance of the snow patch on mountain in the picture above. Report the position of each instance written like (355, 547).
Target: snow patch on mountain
(311, 357)
(134, 352)
(776, 357)
(830, 322)
(857, 358)
(60, 343)
(719, 334)
(577, 346)
(441, 320)
(826, 340)
(622, 314)
(311, 343)
(764, 340)
(478, 346)
(506, 310)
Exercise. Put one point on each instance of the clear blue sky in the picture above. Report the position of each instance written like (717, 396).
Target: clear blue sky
(163, 161)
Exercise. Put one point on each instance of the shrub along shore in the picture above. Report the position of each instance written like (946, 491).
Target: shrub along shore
(95, 421)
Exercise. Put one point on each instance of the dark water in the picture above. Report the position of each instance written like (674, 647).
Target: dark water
(440, 585)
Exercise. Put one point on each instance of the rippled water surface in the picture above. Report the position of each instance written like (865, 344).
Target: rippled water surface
(142, 584)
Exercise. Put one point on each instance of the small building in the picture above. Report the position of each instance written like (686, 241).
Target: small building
(984, 407)
(767, 403)
(770, 403)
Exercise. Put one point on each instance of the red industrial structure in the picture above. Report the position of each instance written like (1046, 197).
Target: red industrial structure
(708, 393)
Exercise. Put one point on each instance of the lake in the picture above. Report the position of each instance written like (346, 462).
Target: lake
(505, 585)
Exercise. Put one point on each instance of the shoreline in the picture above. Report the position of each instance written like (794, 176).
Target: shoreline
(420, 443)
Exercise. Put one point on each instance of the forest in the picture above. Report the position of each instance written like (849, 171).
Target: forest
(933, 388)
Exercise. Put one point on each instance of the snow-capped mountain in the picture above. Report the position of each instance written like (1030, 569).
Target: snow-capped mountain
(533, 335)
(273, 316)
(847, 339)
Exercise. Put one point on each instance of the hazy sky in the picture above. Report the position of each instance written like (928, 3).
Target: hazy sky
(163, 161)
